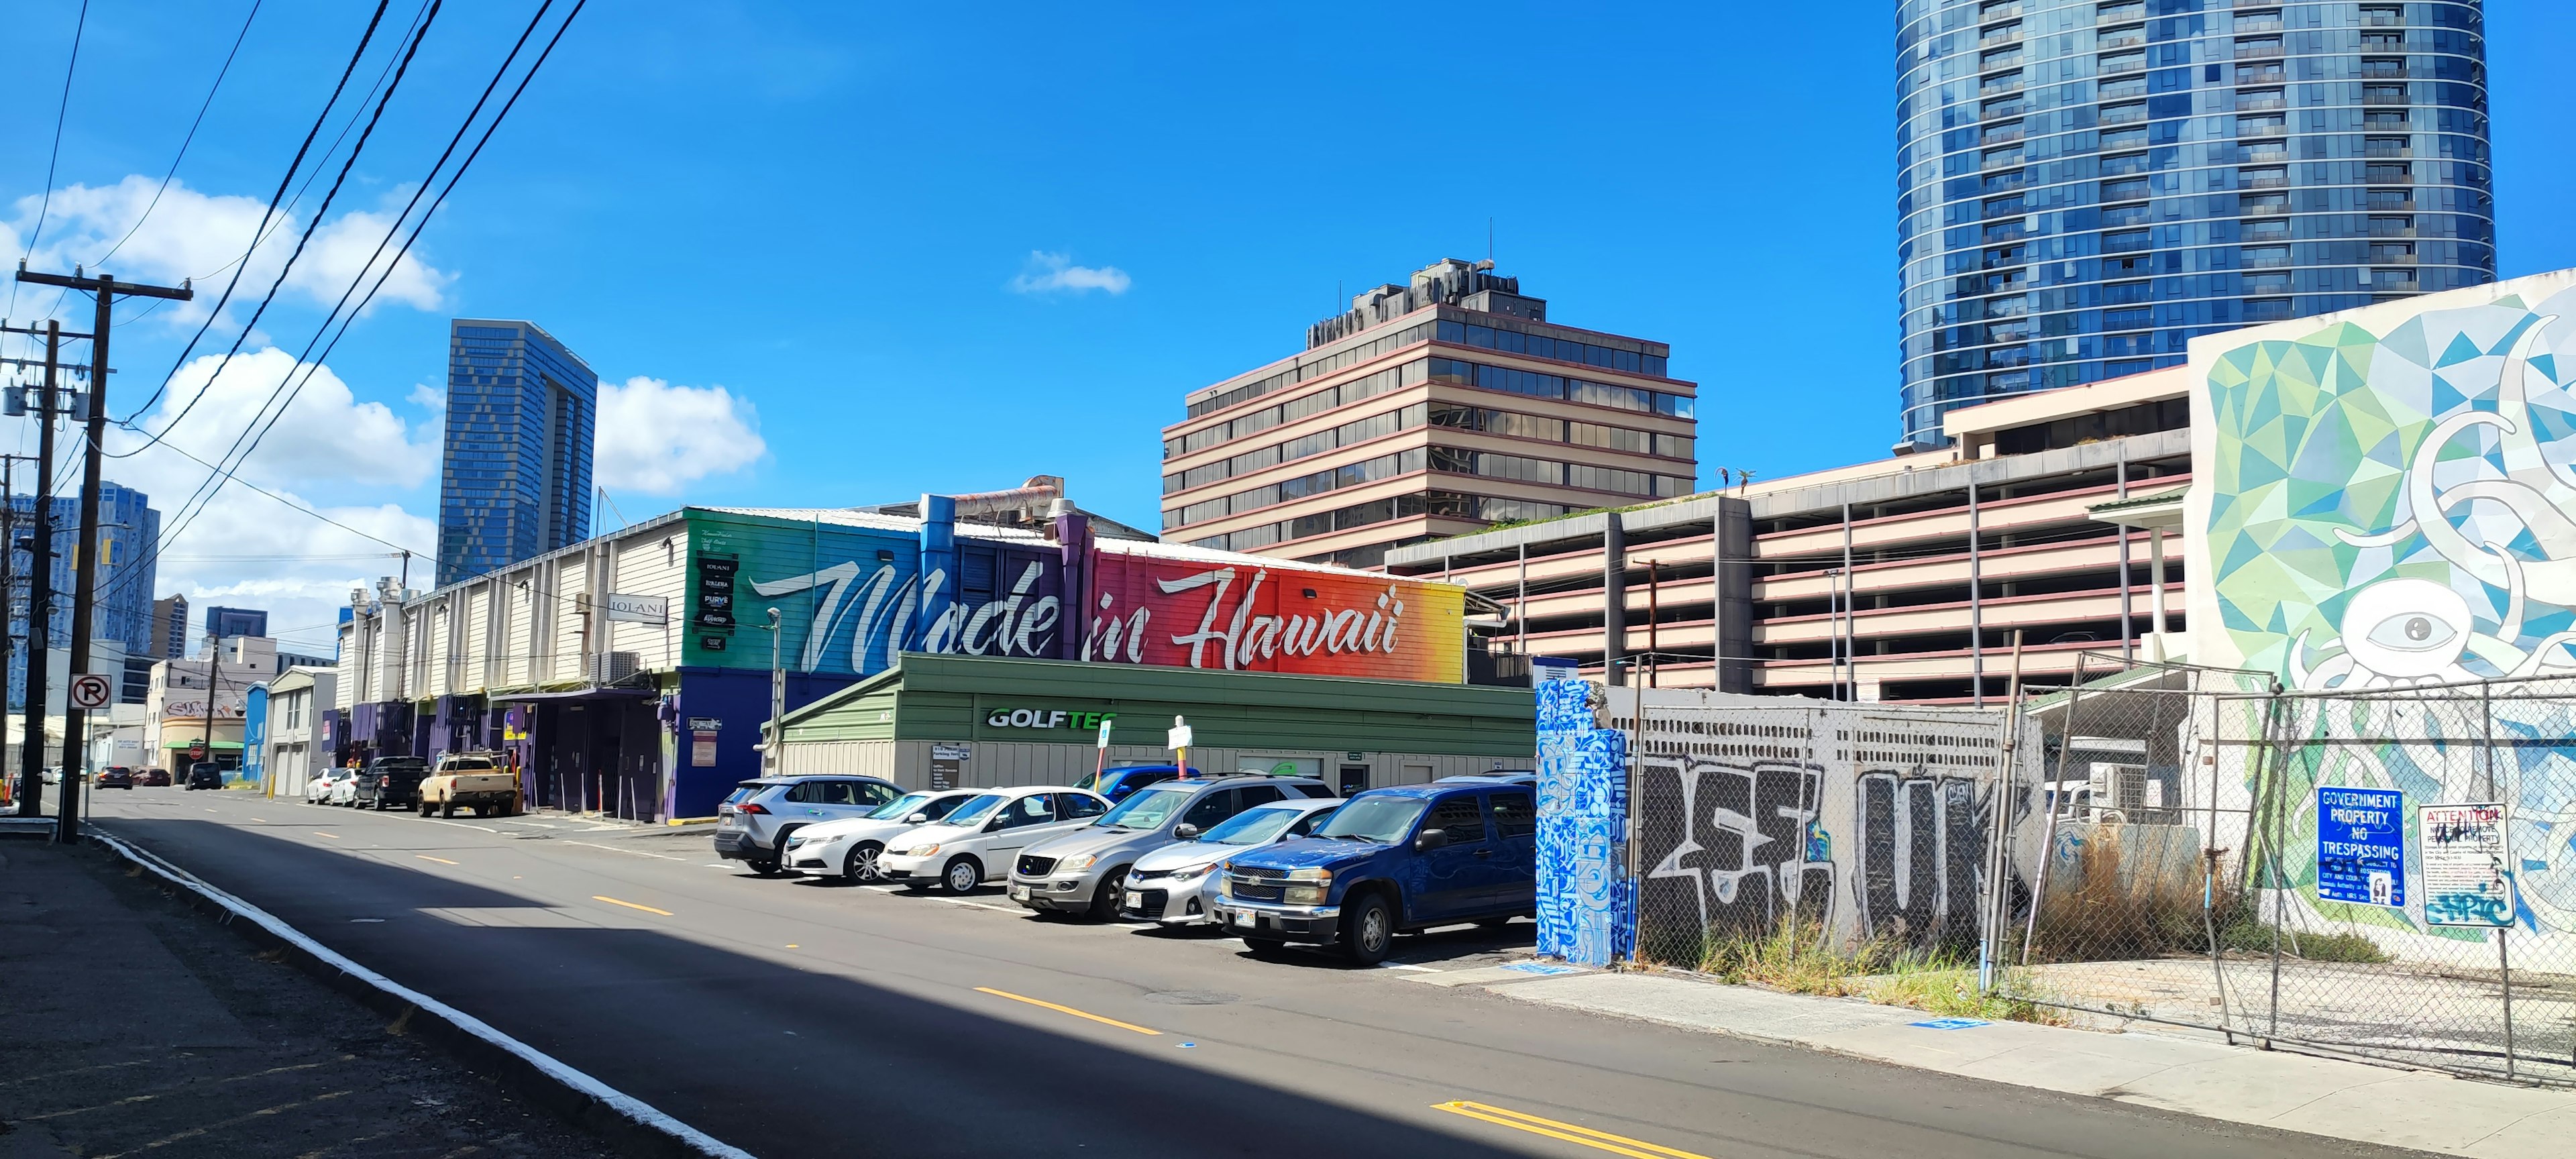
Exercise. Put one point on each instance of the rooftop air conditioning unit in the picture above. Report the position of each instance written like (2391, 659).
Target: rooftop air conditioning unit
(613, 667)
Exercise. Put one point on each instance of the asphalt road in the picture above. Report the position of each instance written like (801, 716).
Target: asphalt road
(797, 1018)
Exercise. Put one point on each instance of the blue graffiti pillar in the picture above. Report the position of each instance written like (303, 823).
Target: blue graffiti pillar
(939, 616)
(1587, 911)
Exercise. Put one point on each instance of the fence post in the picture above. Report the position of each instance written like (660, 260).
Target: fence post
(2504, 958)
(2272, 859)
(2050, 792)
(1997, 909)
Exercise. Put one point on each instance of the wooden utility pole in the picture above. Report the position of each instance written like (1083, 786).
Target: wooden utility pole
(85, 574)
(40, 572)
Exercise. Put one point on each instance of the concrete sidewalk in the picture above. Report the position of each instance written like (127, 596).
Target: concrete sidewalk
(2342, 1100)
(139, 1025)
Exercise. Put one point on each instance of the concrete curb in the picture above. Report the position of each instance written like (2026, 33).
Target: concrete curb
(629, 1124)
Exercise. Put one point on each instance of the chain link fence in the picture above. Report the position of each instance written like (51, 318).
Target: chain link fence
(2385, 872)
(1827, 825)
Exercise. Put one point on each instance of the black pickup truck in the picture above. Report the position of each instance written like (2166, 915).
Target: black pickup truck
(390, 783)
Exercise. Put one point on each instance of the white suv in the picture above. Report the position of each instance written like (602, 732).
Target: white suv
(976, 843)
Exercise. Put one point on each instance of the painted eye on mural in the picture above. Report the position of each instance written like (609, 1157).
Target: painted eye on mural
(2412, 632)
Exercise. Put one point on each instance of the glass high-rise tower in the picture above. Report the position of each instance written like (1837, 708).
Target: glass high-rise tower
(515, 479)
(2084, 185)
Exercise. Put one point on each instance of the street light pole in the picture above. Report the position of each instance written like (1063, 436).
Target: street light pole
(777, 698)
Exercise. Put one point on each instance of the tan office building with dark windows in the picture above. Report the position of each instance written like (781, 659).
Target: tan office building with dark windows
(1430, 409)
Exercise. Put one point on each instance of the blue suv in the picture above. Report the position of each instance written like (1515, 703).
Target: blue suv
(1118, 782)
(1392, 861)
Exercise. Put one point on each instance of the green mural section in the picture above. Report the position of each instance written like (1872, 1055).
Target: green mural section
(2392, 508)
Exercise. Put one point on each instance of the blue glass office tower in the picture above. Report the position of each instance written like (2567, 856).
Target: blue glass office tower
(128, 531)
(515, 479)
(2084, 185)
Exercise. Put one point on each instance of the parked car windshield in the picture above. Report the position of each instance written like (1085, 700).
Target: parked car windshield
(1147, 810)
(1253, 826)
(461, 763)
(903, 806)
(1384, 820)
(974, 812)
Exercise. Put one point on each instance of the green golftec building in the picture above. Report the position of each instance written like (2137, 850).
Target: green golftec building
(940, 721)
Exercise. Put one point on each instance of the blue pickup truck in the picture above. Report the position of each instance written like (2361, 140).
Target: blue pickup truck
(1393, 860)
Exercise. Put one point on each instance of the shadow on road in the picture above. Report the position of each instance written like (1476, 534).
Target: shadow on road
(777, 1059)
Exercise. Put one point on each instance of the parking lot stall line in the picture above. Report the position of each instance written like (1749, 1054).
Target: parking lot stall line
(1104, 1021)
(1569, 1132)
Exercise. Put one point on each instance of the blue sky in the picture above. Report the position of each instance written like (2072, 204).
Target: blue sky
(824, 209)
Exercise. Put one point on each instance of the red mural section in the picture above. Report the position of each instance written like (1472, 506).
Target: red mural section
(1231, 614)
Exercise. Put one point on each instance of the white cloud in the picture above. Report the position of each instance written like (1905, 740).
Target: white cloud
(1049, 273)
(197, 235)
(325, 434)
(328, 452)
(656, 438)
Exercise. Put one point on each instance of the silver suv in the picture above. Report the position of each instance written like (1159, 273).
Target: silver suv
(1084, 872)
(754, 823)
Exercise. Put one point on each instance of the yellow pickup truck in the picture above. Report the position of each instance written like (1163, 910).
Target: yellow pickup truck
(478, 781)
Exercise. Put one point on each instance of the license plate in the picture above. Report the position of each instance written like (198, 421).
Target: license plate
(1135, 900)
(1243, 919)
(1019, 893)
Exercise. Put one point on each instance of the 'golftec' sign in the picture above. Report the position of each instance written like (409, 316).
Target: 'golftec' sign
(1046, 718)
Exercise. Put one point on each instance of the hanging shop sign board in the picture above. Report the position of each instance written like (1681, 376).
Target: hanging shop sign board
(715, 591)
(654, 610)
(2361, 845)
(2465, 880)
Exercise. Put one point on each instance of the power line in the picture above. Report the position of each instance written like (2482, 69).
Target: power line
(319, 120)
(220, 474)
(55, 154)
(422, 223)
(185, 141)
(214, 482)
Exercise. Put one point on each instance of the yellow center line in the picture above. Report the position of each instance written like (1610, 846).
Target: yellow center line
(1066, 1010)
(332, 836)
(1569, 1132)
(630, 905)
(440, 860)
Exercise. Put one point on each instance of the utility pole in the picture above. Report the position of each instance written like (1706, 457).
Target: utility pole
(8, 560)
(85, 577)
(40, 574)
(214, 691)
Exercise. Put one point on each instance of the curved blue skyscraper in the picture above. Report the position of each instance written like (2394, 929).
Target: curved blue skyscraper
(2084, 185)
(514, 480)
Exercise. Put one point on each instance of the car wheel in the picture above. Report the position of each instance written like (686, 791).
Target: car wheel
(424, 808)
(1368, 930)
(861, 865)
(1104, 904)
(962, 875)
(1267, 949)
(447, 808)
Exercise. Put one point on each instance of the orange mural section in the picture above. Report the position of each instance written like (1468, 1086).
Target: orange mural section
(1246, 617)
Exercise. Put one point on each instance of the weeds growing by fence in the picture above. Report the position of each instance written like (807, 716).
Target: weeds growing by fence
(1800, 957)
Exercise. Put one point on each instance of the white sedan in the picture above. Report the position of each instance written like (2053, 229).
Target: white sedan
(319, 787)
(344, 791)
(1176, 884)
(850, 847)
(976, 843)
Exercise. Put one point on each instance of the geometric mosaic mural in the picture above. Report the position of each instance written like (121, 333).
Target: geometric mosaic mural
(2393, 507)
